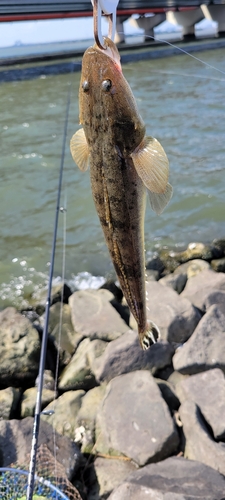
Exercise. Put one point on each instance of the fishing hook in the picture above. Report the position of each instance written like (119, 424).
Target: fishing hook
(108, 9)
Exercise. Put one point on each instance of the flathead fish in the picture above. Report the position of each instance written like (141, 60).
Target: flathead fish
(123, 163)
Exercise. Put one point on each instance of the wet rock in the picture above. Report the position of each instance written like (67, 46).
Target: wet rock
(218, 246)
(175, 316)
(172, 259)
(155, 264)
(61, 329)
(175, 281)
(125, 355)
(218, 265)
(94, 316)
(134, 420)
(172, 479)
(207, 391)
(168, 394)
(65, 408)
(199, 445)
(78, 374)
(192, 267)
(86, 417)
(20, 349)
(16, 438)
(9, 399)
(206, 347)
(39, 298)
(28, 401)
(109, 474)
(199, 288)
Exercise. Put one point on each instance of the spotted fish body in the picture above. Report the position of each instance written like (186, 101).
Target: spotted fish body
(123, 162)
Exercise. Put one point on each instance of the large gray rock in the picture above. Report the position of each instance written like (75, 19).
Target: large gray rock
(28, 400)
(199, 288)
(16, 438)
(65, 409)
(61, 329)
(134, 420)
(94, 316)
(175, 316)
(199, 445)
(78, 373)
(175, 281)
(109, 474)
(172, 479)
(9, 399)
(19, 347)
(206, 347)
(87, 415)
(207, 391)
(124, 355)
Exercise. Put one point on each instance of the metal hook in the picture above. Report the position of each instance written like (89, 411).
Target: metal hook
(108, 8)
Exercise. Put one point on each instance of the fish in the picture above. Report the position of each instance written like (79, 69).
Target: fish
(123, 163)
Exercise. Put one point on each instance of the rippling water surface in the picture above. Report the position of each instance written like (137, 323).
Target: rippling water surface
(182, 104)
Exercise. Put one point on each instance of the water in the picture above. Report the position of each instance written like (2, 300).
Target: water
(181, 102)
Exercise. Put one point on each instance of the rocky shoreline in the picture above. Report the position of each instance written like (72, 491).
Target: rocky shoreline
(128, 423)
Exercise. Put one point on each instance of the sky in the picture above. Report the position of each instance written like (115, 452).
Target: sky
(60, 30)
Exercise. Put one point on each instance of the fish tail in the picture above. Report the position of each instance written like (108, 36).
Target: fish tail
(149, 336)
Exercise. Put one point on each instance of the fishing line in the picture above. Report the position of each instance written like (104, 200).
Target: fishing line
(187, 53)
(37, 414)
(174, 73)
(64, 212)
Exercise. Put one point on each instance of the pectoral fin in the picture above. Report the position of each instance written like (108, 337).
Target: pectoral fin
(152, 164)
(79, 150)
(159, 201)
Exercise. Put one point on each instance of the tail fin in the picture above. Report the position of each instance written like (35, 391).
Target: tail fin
(150, 336)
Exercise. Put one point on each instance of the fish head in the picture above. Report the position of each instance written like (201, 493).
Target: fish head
(106, 99)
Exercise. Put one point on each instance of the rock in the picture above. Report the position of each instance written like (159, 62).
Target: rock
(218, 246)
(114, 289)
(192, 267)
(109, 474)
(199, 288)
(172, 259)
(78, 374)
(9, 399)
(125, 355)
(39, 297)
(175, 316)
(199, 445)
(69, 339)
(207, 391)
(218, 265)
(15, 444)
(155, 264)
(28, 401)
(206, 347)
(168, 394)
(134, 420)
(65, 408)
(175, 378)
(48, 380)
(175, 281)
(87, 415)
(172, 479)
(93, 316)
(20, 349)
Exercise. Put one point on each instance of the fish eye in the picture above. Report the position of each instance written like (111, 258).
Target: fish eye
(85, 86)
(106, 85)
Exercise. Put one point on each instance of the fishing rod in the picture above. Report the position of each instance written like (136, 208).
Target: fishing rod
(37, 415)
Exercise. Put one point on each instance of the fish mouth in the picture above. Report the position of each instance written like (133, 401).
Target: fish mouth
(110, 50)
